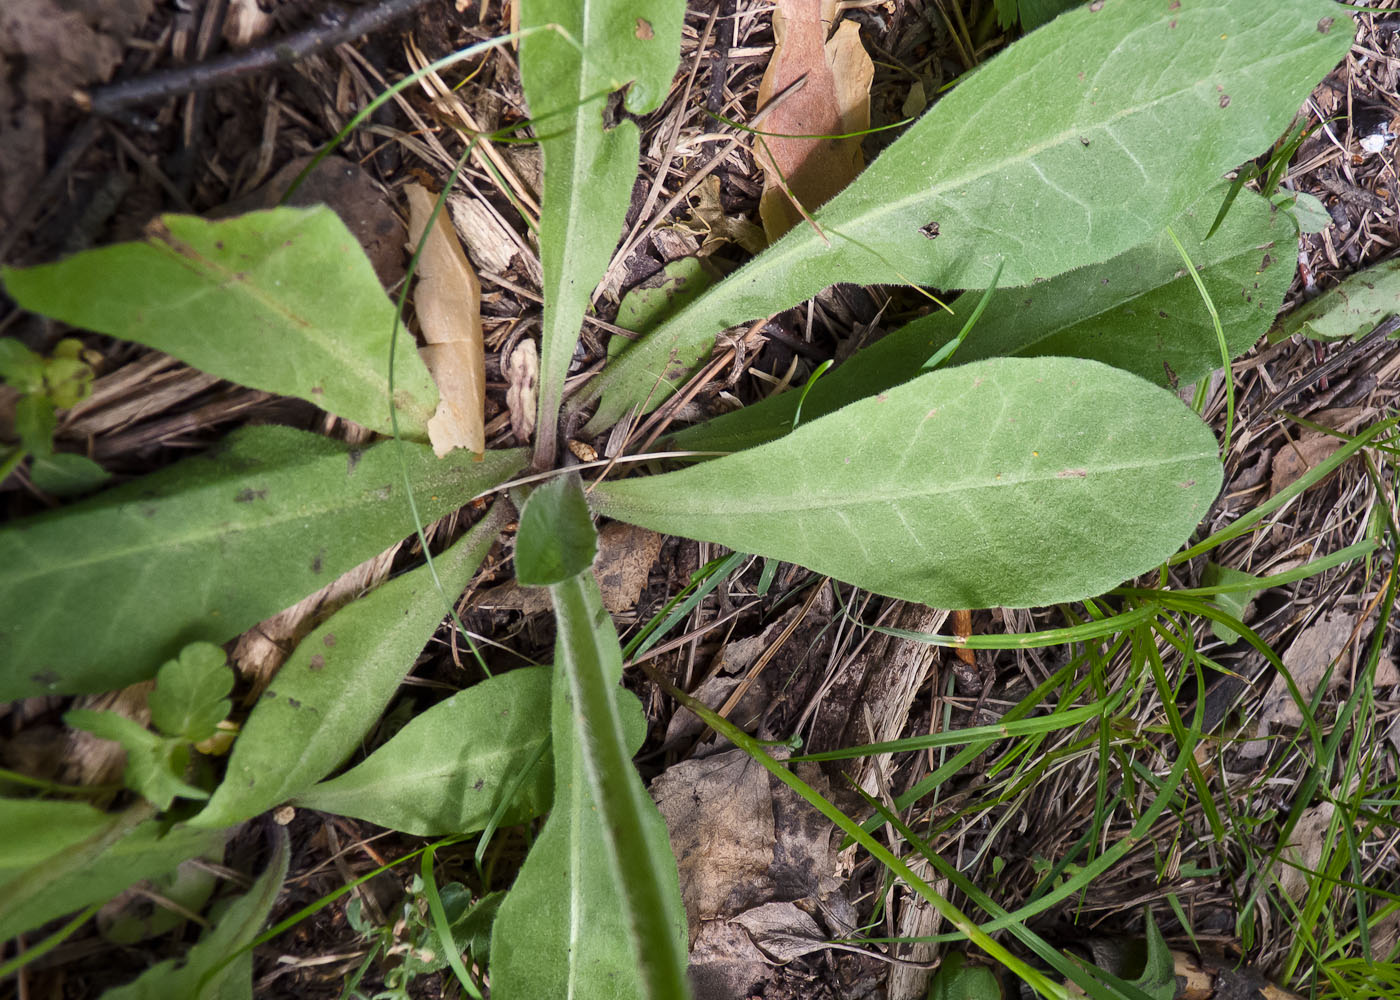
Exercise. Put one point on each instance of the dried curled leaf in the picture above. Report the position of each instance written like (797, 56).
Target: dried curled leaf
(448, 303)
(833, 99)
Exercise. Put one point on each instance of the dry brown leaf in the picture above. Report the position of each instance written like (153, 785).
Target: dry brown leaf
(833, 99)
(742, 839)
(1304, 850)
(1307, 659)
(522, 394)
(447, 300)
(1297, 457)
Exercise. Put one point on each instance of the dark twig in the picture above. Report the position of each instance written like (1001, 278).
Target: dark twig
(1345, 357)
(333, 26)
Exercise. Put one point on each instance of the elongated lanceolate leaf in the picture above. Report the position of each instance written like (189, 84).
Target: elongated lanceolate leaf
(1351, 309)
(445, 771)
(1014, 482)
(1139, 311)
(338, 681)
(283, 301)
(588, 171)
(1080, 141)
(62, 856)
(100, 594)
(596, 908)
(206, 972)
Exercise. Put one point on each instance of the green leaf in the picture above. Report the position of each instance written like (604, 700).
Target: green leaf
(1139, 311)
(20, 368)
(1158, 979)
(60, 856)
(205, 549)
(556, 540)
(588, 170)
(1075, 144)
(1034, 13)
(155, 765)
(445, 771)
(1232, 602)
(64, 474)
(1018, 482)
(1309, 214)
(956, 980)
(219, 967)
(338, 681)
(35, 421)
(1353, 308)
(596, 909)
(190, 698)
(283, 301)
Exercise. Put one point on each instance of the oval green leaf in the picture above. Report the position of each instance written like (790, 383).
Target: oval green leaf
(284, 301)
(445, 771)
(1016, 482)
(556, 540)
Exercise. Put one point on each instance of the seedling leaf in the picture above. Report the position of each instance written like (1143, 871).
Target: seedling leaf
(1096, 168)
(994, 483)
(190, 698)
(445, 771)
(556, 540)
(283, 301)
(337, 683)
(205, 549)
(155, 765)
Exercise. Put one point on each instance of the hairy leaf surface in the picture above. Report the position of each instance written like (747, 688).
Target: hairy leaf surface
(445, 771)
(205, 549)
(1076, 143)
(588, 170)
(61, 856)
(596, 908)
(338, 681)
(1351, 309)
(1139, 311)
(284, 300)
(1015, 482)
(205, 972)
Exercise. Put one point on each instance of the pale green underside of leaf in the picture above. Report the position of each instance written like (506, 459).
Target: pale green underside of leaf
(284, 301)
(445, 771)
(1075, 144)
(563, 931)
(1353, 308)
(1017, 482)
(39, 834)
(1139, 311)
(338, 681)
(203, 974)
(99, 594)
(588, 171)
